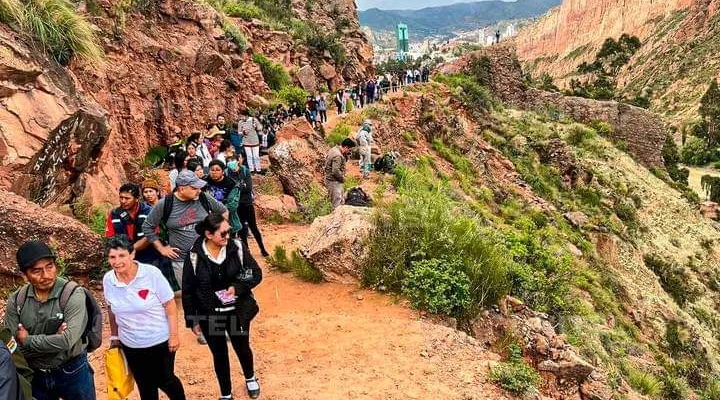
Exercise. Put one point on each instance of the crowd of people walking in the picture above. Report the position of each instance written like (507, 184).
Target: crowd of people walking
(182, 245)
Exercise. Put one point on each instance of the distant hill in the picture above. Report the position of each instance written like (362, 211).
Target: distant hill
(462, 16)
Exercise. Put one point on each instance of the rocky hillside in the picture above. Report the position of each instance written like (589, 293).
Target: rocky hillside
(673, 66)
(75, 133)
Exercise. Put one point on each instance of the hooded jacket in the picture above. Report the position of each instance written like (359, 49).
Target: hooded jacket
(200, 282)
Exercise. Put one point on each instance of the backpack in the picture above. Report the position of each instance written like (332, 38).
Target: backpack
(357, 197)
(167, 210)
(92, 334)
(23, 371)
(386, 163)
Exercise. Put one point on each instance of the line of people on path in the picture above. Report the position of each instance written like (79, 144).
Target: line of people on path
(46, 326)
(190, 244)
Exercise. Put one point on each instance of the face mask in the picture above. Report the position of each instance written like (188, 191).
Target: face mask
(232, 165)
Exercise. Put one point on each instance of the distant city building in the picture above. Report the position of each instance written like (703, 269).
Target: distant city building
(402, 36)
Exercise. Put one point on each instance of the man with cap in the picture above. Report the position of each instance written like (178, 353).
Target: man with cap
(365, 141)
(49, 337)
(189, 205)
(128, 220)
(335, 171)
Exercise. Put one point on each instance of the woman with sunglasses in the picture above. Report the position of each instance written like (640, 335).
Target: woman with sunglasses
(218, 277)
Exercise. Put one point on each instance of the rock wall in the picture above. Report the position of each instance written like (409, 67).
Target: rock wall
(50, 135)
(79, 248)
(641, 130)
(578, 25)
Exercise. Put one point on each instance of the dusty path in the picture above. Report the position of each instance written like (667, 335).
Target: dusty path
(332, 341)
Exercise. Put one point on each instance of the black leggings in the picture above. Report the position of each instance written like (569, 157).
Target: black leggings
(153, 369)
(323, 115)
(214, 328)
(246, 213)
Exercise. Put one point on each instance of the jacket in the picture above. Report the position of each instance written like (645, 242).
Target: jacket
(364, 137)
(335, 166)
(200, 282)
(119, 218)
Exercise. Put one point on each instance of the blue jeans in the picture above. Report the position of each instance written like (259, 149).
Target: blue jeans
(71, 381)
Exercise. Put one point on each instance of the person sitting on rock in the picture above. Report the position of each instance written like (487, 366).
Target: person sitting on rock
(335, 171)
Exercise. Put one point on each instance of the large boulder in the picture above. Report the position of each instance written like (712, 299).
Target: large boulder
(307, 79)
(268, 207)
(335, 243)
(80, 249)
(294, 162)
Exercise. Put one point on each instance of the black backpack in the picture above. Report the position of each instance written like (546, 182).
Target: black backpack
(357, 197)
(92, 334)
(386, 163)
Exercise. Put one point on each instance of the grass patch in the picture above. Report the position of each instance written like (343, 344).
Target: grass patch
(313, 203)
(673, 279)
(295, 263)
(55, 27)
(643, 381)
(339, 133)
(274, 74)
(514, 375)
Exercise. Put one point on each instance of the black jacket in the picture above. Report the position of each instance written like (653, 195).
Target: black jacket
(200, 283)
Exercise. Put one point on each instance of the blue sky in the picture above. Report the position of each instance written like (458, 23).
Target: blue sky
(405, 4)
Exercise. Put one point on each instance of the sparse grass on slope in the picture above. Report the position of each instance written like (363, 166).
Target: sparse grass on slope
(54, 26)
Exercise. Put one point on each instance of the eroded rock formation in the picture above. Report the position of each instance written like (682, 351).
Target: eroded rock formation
(641, 130)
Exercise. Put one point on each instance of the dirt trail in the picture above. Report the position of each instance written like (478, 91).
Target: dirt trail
(332, 341)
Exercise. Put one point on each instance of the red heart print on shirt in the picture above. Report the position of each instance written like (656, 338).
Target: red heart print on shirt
(143, 293)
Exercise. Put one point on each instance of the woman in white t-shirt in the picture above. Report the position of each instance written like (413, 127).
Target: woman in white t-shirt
(143, 320)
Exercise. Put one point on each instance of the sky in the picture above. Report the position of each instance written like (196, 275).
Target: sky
(405, 4)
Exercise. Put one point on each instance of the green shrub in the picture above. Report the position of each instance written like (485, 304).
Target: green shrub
(468, 90)
(541, 271)
(601, 127)
(97, 221)
(290, 94)
(56, 27)
(296, 263)
(675, 388)
(274, 74)
(460, 163)
(438, 286)
(339, 133)
(580, 135)
(155, 156)
(515, 376)
(11, 12)
(425, 222)
(233, 33)
(672, 279)
(696, 152)
(244, 10)
(626, 211)
(712, 390)
(644, 382)
(313, 203)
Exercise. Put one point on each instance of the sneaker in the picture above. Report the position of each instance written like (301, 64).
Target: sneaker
(201, 339)
(253, 387)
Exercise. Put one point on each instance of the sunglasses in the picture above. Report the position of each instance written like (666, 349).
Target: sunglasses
(224, 234)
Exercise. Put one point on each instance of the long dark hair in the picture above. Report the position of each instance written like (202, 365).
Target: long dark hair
(179, 160)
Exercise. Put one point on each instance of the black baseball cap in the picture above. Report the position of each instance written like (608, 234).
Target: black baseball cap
(30, 252)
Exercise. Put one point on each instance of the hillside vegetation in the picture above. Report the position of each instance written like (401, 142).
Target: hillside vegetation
(633, 283)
